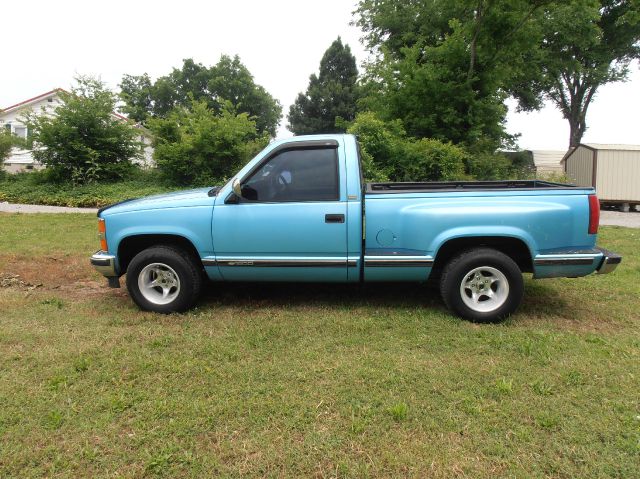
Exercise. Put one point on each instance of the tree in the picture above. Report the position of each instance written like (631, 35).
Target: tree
(196, 146)
(135, 91)
(445, 68)
(6, 144)
(84, 142)
(331, 95)
(228, 80)
(587, 44)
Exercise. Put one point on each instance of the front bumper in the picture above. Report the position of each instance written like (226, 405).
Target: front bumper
(104, 263)
(610, 261)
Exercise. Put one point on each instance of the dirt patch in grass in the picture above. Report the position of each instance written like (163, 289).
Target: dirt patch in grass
(50, 271)
(70, 276)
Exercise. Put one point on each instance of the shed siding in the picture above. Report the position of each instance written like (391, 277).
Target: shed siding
(618, 175)
(580, 166)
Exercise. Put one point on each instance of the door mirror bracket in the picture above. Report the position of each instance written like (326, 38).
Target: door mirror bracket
(235, 186)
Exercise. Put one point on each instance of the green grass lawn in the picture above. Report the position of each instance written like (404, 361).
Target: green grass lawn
(308, 380)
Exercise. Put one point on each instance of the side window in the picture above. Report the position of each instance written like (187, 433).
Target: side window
(295, 175)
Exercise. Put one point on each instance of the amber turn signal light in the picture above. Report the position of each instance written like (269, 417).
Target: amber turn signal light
(102, 234)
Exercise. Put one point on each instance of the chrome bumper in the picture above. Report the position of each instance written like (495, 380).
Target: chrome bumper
(610, 261)
(104, 263)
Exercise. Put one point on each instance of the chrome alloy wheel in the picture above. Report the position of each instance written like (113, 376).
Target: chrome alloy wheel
(159, 283)
(484, 289)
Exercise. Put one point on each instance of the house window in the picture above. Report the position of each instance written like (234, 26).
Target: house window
(50, 100)
(8, 127)
(20, 131)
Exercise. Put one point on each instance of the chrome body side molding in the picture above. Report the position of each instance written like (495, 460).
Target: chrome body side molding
(281, 262)
(402, 261)
(563, 261)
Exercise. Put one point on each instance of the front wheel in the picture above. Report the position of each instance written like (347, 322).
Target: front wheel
(482, 285)
(164, 279)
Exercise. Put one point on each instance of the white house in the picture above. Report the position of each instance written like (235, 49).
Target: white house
(46, 103)
(548, 161)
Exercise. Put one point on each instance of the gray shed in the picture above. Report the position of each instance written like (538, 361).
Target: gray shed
(614, 170)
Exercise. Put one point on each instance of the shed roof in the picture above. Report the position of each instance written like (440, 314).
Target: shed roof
(602, 146)
(612, 146)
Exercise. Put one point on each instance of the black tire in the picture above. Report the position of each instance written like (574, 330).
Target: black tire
(186, 268)
(487, 265)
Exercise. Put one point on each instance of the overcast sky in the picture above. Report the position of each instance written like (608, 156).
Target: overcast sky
(281, 42)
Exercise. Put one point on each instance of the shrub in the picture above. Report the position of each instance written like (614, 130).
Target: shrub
(84, 142)
(196, 146)
(387, 153)
(486, 166)
(431, 160)
(380, 145)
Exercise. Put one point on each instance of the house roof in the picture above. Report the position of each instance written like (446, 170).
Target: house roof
(32, 100)
(35, 99)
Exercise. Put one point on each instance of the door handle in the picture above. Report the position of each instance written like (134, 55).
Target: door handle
(334, 218)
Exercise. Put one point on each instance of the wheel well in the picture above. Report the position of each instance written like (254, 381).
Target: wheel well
(130, 246)
(515, 248)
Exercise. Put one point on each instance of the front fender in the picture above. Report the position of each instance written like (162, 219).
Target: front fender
(192, 223)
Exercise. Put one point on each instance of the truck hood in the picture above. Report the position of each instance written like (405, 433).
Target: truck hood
(179, 199)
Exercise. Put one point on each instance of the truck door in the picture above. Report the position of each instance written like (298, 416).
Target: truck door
(290, 223)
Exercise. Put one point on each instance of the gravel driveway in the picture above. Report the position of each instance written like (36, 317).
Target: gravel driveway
(616, 218)
(609, 218)
(17, 208)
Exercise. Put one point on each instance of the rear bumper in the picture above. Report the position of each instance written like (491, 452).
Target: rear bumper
(610, 261)
(104, 263)
(573, 263)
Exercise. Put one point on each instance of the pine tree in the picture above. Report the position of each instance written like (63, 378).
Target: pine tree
(331, 95)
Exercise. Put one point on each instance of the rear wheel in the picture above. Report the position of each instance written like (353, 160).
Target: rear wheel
(164, 279)
(482, 285)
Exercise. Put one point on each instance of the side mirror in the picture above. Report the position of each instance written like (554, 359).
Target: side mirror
(235, 186)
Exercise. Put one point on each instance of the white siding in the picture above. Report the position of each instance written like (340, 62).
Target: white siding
(13, 119)
(580, 166)
(618, 175)
(548, 161)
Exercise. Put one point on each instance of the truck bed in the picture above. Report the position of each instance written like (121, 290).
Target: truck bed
(427, 187)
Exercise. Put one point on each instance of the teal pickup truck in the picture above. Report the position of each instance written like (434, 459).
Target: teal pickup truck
(300, 211)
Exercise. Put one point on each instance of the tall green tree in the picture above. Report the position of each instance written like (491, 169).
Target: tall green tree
(84, 142)
(228, 80)
(445, 68)
(587, 44)
(135, 92)
(331, 95)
